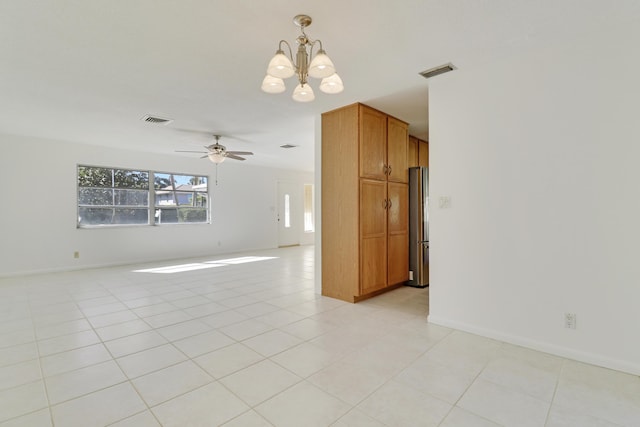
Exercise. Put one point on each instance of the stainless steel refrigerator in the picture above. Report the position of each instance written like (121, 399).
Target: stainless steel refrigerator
(418, 227)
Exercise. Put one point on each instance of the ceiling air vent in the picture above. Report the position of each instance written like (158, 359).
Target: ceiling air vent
(288, 146)
(155, 119)
(436, 71)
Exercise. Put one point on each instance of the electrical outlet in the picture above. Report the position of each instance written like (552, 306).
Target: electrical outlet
(76, 254)
(570, 320)
(410, 274)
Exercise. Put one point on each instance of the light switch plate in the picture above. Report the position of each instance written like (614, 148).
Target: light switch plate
(444, 202)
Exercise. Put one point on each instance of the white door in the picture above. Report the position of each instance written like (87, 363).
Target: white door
(289, 214)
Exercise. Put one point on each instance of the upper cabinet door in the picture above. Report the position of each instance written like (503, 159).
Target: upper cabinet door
(398, 142)
(423, 154)
(373, 144)
(412, 158)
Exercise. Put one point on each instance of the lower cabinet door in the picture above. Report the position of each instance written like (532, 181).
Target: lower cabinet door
(398, 233)
(373, 235)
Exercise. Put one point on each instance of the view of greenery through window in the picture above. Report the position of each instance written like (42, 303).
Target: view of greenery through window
(108, 196)
(180, 198)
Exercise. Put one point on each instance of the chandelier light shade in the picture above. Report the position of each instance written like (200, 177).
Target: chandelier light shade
(303, 93)
(321, 66)
(272, 84)
(282, 67)
(331, 84)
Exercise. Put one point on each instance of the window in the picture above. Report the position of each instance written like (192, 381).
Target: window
(180, 198)
(287, 212)
(110, 196)
(308, 208)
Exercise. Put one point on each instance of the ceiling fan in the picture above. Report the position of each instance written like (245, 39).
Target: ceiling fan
(217, 152)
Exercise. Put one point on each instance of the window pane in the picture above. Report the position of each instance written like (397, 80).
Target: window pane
(201, 183)
(193, 198)
(131, 216)
(287, 212)
(112, 216)
(180, 215)
(95, 196)
(131, 198)
(131, 179)
(165, 181)
(181, 199)
(166, 216)
(95, 216)
(184, 199)
(161, 181)
(192, 215)
(201, 200)
(94, 177)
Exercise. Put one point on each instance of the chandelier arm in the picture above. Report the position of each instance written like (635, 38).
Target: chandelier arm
(312, 43)
(289, 47)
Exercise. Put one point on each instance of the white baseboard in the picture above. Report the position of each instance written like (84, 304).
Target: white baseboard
(566, 352)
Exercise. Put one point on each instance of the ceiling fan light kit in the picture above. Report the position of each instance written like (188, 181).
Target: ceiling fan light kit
(282, 67)
(218, 153)
(216, 157)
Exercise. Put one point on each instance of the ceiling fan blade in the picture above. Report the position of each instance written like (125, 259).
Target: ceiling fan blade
(189, 151)
(244, 153)
(204, 157)
(233, 156)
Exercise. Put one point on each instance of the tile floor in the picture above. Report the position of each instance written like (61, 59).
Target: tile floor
(209, 342)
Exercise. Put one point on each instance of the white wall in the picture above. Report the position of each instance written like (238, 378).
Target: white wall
(540, 155)
(38, 215)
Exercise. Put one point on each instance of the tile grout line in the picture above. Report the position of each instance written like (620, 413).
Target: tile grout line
(555, 391)
(44, 382)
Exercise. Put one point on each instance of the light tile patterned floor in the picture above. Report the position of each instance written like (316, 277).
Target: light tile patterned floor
(226, 341)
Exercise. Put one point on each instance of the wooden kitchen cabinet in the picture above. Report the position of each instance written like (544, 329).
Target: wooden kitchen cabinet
(423, 153)
(373, 143)
(412, 157)
(365, 236)
(373, 235)
(418, 154)
(397, 146)
(398, 232)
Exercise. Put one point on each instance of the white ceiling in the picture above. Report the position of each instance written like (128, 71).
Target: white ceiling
(88, 70)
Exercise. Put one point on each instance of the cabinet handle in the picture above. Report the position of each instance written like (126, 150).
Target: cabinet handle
(385, 203)
(385, 169)
(390, 203)
(389, 170)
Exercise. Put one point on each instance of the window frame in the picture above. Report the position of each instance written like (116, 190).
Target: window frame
(151, 198)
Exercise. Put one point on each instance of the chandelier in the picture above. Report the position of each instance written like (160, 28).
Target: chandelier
(282, 67)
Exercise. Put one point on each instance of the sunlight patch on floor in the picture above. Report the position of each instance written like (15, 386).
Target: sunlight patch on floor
(202, 265)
